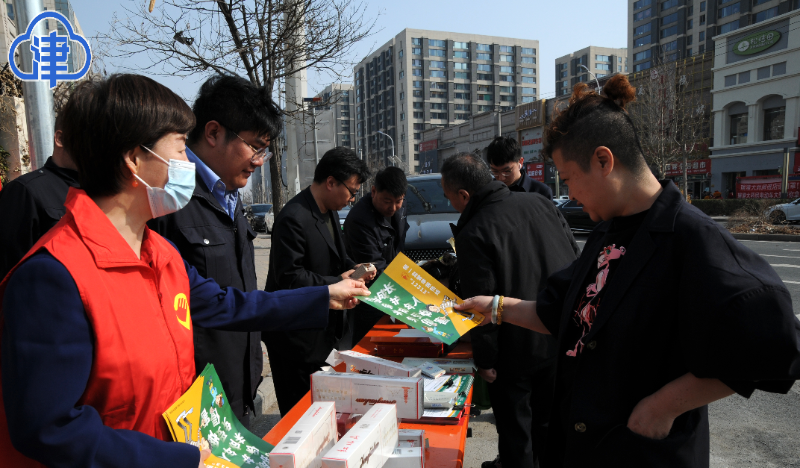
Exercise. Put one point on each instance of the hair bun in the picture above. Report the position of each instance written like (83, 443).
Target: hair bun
(619, 90)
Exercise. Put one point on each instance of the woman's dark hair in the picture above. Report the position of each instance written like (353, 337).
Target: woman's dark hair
(592, 120)
(503, 150)
(341, 163)
(236, 104)
(392, 180)
(104, 119)
(465, 171)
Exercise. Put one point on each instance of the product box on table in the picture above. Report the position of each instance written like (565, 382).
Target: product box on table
(361, 363)
(310, 438)
(452, 366)
(345, 422)
(413, 457)
(369, 443)
(355, 393)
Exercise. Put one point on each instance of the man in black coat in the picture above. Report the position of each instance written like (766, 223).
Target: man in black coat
(375, 232)
(33, 203)
(308, 250)
(235, 123)
(508, 244)
(508, 166)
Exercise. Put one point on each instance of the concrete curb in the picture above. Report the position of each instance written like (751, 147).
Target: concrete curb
(265, 396)
(768, 237)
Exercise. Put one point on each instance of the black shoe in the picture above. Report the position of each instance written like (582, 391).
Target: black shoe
(492, 464)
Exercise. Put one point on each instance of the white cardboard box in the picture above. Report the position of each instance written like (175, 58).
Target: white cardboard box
(369, 443)
(452, 366)
(311, 437)
(405, 457)
(407, 438)
(361, 363)
(354, 393)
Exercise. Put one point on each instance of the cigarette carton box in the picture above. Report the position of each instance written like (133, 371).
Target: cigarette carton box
(407, 438)
(311, 437)
(369, 443)
(345, 422)
(405, 457)
(361, 363)
(355, 393)
(451, 366)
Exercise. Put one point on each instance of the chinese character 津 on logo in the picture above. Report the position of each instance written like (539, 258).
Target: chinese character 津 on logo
(49, 54)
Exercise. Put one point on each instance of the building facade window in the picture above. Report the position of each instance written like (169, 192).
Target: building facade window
(528, 51)
(415, 72)
(416, 41)
(643, 55)
(779, 69)
(507, 58)
(484, 56)
(438, 74)
(528, 71)
(461, 55)
(640, 41)
(641, 4)
(402, 95)
(486, 68)
(506, 69)
(702, 6)
(601, 58)
(738, 129)
(462, 75)
(603, 66)
(461, 96)
(485, 97)
(438, 106)
(419, 115)
(461, 86)
(416, 63)
(526, 99)
(439, 94)
(644, 14)
(728, 10)
(728, 27)
(435, 43)
(437, 64)
(436, 52)
(668, 4)
(642, 66)
(670, 31)
(507, 89)
(766, 14)
(528, 60)
(417, 84)
(461, 45)
(418, 105)
(504, 49)
(485, 77)
(484, 47)
(528, 90)
(669, 19)
(774, 120)
(461, 66)
(417, 93)
(527, 79)
(689, 24)
(701, 36)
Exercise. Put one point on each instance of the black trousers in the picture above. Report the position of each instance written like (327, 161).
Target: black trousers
(522, 405)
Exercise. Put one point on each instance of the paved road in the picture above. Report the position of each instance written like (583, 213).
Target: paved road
(763, 431)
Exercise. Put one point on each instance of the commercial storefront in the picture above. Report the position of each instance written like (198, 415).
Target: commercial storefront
(756, 101)
(698, 175)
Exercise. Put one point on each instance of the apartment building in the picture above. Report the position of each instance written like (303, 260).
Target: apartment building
(338, 113)
(673, 29)
(422, 79)
(601, 61)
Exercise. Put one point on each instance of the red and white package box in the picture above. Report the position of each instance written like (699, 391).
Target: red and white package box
(354, 393)
(361, 363)
(311, 437)
(369, 443)
(406, 457)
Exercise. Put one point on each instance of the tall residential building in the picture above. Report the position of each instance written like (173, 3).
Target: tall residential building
(421, 79)
(338, 113)
(602, 61)
(673, 29)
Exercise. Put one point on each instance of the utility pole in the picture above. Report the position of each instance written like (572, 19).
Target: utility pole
(39, 113)
(296, 85)
(785, 175)
(314, 123)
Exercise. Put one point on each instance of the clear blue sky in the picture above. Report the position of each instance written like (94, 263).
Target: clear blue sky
(560, 27)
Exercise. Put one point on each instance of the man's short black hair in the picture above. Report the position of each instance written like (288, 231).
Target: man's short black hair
(104, 119)
(503, 150)
(392, 180)
(465, 171)
(341, 163)
(236, 104)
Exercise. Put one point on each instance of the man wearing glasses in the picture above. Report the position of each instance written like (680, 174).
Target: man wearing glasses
(308, 250)
(507, 166)
(235, 123)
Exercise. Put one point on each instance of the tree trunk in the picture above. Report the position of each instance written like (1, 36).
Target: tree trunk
(685, 177)
(275, 178)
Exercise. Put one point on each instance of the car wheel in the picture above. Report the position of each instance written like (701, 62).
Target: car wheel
(778, 217)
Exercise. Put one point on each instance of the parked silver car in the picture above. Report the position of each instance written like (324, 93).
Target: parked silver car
(261, 217)
(429, 217)
(784, 212)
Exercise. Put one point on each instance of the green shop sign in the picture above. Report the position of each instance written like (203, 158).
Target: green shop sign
(756, 42)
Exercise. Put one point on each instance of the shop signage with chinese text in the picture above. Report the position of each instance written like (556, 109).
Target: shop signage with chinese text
(698, 167)
(766, 186)
(530, 115)
(535, 171)
(429, 145)
(531, 143)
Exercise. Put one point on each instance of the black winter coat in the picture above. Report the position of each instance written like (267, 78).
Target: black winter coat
(526, 184)
(508, 244)
(30, 205)
(687, 297)
(220, 248)
(370, 238)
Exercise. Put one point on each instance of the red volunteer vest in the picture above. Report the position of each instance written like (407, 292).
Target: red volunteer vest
(139, 312)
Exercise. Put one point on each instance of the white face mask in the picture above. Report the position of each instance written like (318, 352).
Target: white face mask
(178, 190)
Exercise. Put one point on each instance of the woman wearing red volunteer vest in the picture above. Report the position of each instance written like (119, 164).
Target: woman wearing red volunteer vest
(97, 318)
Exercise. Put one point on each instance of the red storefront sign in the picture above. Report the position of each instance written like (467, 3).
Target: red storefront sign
(535, 171)
(766, 186)
(429, 145)
(699, 167)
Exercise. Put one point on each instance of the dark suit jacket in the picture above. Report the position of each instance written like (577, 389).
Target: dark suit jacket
(526, 184)
(687, 297)
(303, 254)
(370, 238)
(220, 248)
(508, 244)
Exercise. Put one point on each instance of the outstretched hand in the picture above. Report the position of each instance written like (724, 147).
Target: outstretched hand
(204, 454)
(342, 294)
(480, 304)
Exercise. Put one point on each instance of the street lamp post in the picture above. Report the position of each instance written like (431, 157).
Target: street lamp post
(594, 76)
(392, 141)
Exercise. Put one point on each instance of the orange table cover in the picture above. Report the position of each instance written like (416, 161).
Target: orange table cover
(446, 441)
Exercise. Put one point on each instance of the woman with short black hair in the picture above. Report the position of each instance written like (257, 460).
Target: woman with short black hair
(98, 316)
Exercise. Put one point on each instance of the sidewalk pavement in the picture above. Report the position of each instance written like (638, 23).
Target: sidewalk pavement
(265, 397)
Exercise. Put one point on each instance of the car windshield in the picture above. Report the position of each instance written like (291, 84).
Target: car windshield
(426, 197)
(260, 208)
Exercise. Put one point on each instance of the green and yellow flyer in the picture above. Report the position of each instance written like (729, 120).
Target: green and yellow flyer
(202, 417)
(410, 294)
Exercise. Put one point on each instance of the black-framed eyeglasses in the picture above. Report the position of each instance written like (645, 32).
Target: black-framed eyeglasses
(258, 154)
(352, 192)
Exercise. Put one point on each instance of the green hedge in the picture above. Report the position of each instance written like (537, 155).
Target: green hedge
(727, 207)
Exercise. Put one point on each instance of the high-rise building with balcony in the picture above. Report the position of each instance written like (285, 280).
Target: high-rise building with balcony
(601, 61)
(673, 29)
(420, 79)
(338, 113)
